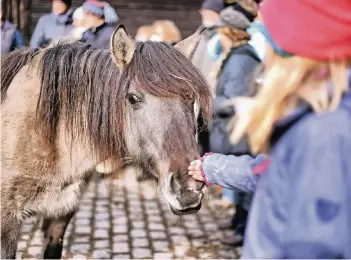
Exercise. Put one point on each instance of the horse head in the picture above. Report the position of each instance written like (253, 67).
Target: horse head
(164, 95)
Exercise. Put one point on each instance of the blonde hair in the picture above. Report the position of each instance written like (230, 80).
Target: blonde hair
(144, 33)
(288, 81)
(167, 31)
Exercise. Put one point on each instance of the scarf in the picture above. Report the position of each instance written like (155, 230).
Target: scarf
(235, 19)
(230, 38)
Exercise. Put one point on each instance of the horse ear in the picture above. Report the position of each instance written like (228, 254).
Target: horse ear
(122, 47)
(189, 45)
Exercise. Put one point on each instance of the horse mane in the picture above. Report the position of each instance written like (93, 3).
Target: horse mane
(84, 88)
(11, 65)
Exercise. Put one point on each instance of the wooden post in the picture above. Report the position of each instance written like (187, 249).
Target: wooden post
(26, 20)
(9, 11)
(17, 13)
(4, 7)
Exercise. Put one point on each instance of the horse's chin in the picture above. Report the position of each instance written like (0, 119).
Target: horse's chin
(186, 211)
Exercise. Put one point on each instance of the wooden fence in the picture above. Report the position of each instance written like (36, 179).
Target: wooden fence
(19, 13)
(132, 13)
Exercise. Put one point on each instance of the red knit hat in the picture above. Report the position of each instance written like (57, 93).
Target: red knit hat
(319, 30)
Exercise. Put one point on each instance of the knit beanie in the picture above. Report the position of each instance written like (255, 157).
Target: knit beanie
(319, 30)
(95, 7)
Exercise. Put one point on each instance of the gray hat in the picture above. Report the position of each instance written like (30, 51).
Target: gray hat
(94, 7)
(233, 18)
(214, 5)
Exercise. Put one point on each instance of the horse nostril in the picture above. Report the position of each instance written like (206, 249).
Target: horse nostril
(186, 191)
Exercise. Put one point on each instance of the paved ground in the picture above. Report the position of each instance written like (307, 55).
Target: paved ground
(127, 219)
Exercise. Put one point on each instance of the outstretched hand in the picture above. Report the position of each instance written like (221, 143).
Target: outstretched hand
(195, 170)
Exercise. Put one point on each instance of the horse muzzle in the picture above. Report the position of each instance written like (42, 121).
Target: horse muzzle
(183, 194)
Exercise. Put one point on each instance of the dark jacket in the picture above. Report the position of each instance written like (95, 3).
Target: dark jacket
(99, 38)
(51, 27)
(302, 203)
(233, 82)
(11, 38)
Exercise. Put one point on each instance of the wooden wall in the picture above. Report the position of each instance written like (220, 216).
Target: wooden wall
(134, 13)
(19, 13)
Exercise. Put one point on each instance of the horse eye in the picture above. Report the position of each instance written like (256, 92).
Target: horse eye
(133, 99)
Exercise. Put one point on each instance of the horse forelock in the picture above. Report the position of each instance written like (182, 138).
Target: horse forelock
(83, 88)
(163, 71)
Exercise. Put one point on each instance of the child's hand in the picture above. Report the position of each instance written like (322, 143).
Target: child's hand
(195, 170)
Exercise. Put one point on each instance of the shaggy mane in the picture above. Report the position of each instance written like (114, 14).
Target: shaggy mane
(84, 88)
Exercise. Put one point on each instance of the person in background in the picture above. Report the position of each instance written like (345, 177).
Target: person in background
(235, 63)
(55, 25)
(144, 33)
(301, 116)
(210, 18)
(99, 32)
(165, 31)
(11, 37)
(79, 23)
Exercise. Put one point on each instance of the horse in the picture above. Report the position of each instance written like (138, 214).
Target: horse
(67, 108)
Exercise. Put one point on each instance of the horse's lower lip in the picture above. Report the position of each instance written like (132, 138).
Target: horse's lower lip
(186, 211)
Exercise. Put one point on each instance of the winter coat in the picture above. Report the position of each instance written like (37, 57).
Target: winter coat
(233, 81)
(302, 203)
(11, 38)
(51, 27)
(99, 38)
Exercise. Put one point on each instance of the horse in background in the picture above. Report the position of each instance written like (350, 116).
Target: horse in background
(68, 107)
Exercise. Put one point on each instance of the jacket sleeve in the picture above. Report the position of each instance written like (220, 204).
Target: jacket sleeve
(18, 40)
(38, 34)
(301, 208)
(233, 172)
(235, 80)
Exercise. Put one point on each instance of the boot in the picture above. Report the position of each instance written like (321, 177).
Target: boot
(238, 238)
(239, 217)
(233, 240)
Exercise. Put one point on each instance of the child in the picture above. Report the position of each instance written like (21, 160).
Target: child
(301, 116)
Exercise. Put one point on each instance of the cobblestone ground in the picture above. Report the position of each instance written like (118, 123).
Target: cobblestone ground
(127, 219)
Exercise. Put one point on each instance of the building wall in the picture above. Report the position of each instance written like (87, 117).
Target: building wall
(134, 13)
